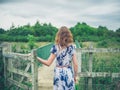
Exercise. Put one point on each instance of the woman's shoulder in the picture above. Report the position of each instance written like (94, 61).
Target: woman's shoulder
(55, 46)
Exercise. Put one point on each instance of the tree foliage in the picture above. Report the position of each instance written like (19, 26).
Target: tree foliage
(47, 32)
(31, 42)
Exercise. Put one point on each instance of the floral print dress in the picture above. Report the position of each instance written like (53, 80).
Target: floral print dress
(63, 73)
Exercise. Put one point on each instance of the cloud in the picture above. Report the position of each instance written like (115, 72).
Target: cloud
(61, 12)
(10, 1)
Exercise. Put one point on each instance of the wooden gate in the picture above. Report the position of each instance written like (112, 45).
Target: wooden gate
(20, 71)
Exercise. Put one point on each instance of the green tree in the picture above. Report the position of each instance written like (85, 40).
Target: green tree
(118, 32)
(2, 31)
(31, 41)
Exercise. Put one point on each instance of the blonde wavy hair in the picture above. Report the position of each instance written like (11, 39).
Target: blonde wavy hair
(64, 37)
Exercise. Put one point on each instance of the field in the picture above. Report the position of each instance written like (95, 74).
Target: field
(23, 47)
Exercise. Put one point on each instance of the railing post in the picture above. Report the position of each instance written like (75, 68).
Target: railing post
(79, 55)
(34, 71)
(90, 68)
(5, 71)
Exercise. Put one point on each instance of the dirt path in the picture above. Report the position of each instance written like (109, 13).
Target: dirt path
(45, 77)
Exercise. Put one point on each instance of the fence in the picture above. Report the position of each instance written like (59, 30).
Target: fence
(89, 73)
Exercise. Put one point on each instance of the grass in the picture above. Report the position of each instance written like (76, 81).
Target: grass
(23, 47)
(88, 44)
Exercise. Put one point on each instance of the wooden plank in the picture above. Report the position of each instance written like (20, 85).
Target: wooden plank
(26, 69)
(90, 70)
(5, 71)
(97, 50)
(18, 56)
(34, 67)
(20, 72)
(79, 60)
(99, 74)
(18, 84)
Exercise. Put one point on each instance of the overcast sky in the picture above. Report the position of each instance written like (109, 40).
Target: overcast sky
(60, 12)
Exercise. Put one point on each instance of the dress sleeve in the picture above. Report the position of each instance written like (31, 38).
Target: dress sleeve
(54, 49)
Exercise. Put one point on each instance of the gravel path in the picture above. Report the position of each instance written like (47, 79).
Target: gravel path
(45, 77)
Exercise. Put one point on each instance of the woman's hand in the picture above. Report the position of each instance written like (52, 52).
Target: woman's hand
(75, 79)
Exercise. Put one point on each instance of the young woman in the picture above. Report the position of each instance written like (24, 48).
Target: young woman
(64, 52)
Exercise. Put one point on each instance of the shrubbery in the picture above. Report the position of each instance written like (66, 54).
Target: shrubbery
(46, 32)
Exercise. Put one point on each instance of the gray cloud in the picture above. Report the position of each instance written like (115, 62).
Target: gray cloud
(60, 12)
(10, 1)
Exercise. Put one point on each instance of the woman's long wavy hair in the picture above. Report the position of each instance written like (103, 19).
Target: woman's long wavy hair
(64, 37)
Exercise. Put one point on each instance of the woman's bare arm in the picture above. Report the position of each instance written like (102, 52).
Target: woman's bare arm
(47, 62)
(75, 65)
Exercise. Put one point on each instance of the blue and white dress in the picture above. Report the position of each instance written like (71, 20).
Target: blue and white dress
(63, 73)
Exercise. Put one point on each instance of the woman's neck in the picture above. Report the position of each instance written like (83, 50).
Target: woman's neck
(62, 47)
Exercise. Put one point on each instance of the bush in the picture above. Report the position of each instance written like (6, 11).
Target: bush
(103, 43)
(31, 41)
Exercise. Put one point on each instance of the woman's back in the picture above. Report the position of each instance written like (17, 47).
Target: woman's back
(63, 55)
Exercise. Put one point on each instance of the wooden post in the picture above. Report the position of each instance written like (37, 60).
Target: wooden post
(79, 59)
(5, 71)
(90, 69)
(34, 71)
